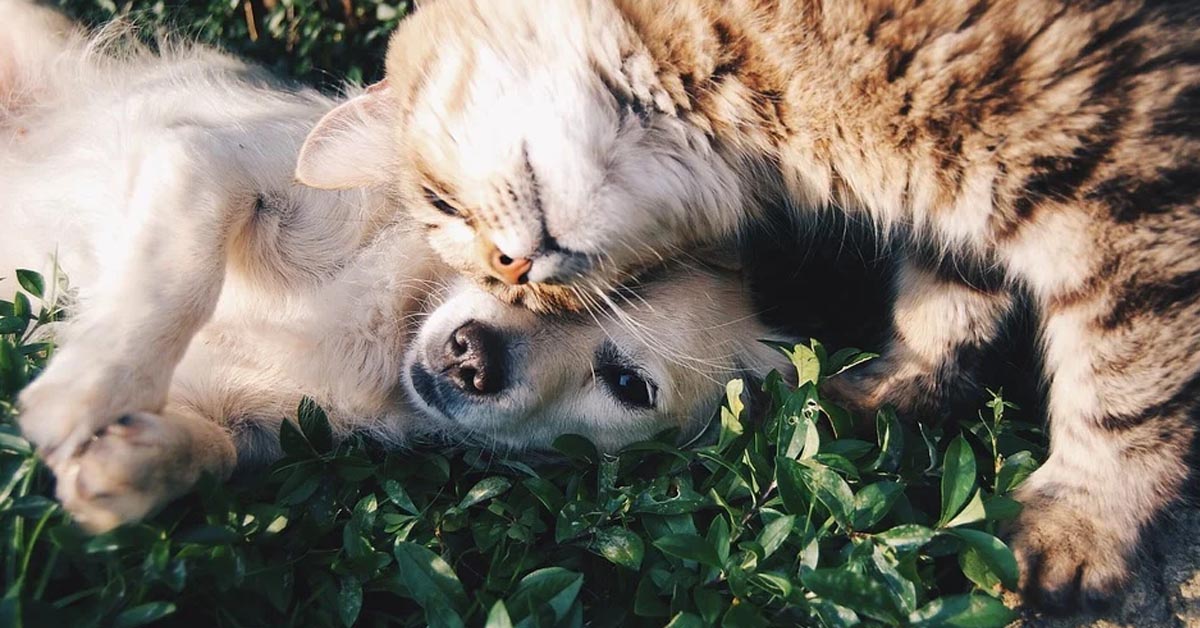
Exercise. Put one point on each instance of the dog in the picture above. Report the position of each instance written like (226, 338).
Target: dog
(208, 293)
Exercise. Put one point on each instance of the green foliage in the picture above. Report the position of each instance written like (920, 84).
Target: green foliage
(324, 42)
(794, 519)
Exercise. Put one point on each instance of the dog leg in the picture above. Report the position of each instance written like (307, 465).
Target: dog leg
(159, 286)
(130, 468)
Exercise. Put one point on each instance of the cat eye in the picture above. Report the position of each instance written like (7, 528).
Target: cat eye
(440, 204)
(627, 384)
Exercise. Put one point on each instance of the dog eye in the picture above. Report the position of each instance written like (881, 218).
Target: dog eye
(628, 385)
(441, 205)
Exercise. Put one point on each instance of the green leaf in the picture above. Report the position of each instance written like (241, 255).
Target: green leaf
(849, 448)
(1014, 470)
(718, 538)
(426, 577)
(685, 620)
(886, 564)
(774, 533)
(619, 546)
(672, 496)
(545, 492)
(792, 488)
(873, 502)
(13, 325)
(1001, 508)
(973, 512)
(845, 359)
(350, 599)
(839, 419)
(958, 478)
(293, 441)
(855, 591)
(689, 547)
(744, 615)
(143, 614)
(906, 537)
(808, 365)
(573, 520)
(709, 603)
(891, 440)
(554, 588)
(32, 282)
(577, 448)
(498, 616)
(645, 600)
(831, 490)
(976, 569)
(485, 489)
(398, 496)
(315, 425)
(963, 611)
(731, 414)
(995, 554)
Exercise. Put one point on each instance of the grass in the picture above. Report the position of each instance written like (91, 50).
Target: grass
(794, 518)
(790, 517)
(324, 42)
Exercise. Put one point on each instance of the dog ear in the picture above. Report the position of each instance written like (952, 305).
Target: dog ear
(351, 146)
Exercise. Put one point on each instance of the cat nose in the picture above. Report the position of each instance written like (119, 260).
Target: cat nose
(473, 359)
(512, 271)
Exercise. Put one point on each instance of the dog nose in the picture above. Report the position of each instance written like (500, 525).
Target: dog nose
(512, 271)
(473, 359)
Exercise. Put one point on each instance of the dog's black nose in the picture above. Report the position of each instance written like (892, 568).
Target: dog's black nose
(473, 359)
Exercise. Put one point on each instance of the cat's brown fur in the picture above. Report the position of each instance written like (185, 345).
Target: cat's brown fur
(1047, 144)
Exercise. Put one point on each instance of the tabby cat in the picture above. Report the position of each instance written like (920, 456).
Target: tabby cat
(554, 148)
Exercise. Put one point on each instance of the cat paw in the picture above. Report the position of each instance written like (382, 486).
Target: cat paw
(126, 471)
(865, 392)
(1069, 559)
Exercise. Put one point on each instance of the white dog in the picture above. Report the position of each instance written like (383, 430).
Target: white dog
(210, 293)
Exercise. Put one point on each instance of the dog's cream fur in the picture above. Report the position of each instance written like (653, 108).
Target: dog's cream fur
(209, 292)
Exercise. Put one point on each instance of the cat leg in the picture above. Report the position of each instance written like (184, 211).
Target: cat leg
(941, 325)
(1124, 381)
(159, 284)
(132, 467)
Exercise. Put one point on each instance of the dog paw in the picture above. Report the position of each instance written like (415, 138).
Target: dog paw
(126, 471)
(1069, 559)
(75, 398)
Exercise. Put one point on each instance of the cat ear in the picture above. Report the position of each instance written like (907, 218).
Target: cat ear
(351, 146)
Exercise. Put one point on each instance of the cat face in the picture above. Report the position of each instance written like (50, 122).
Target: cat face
(535, 145)
(505, 376)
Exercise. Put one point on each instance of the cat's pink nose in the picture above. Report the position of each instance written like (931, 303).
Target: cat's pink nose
(509, 270)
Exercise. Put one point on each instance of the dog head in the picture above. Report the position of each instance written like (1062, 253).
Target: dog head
(653, 357)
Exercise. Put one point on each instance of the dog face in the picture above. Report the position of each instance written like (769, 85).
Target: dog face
(504, 376)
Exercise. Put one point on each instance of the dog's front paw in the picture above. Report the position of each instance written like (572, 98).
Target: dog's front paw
(77, 396)
(1069, 558)
(127, 470)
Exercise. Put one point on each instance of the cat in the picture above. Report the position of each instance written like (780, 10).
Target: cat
(553, 148)
(209, 293)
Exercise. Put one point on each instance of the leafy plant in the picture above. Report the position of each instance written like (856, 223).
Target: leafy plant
(796, 518)
(324, 42)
